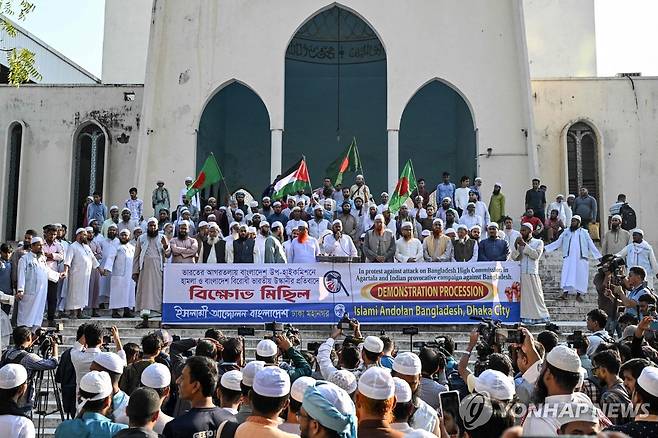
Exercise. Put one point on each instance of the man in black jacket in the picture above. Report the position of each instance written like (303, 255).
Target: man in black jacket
(65, 376)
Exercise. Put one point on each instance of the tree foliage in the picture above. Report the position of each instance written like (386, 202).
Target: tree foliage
(20, 60)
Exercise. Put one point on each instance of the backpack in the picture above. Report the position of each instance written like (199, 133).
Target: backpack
(228, 429)
(628, 219)
(16, 359)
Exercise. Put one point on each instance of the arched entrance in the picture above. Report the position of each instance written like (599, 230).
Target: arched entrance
(235, 126)
(13, 179)
(438, 134)
(582, 159)
(335, 89)
(89, 168)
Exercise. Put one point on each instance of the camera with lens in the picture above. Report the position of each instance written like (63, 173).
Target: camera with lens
(614, 265)
(47, 338)
(345, 323)
(107, 336)
(577, 340)
(515, 337)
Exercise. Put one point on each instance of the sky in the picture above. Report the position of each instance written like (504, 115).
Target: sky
(626, 33)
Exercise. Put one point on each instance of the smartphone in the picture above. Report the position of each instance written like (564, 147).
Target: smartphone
(449, 404)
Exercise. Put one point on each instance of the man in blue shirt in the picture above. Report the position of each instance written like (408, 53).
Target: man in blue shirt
(493, 249)
(96, 210)
(5, 274)
(445, 190)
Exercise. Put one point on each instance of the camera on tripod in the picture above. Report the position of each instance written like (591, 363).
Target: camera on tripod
(577, 340)
(47, 338)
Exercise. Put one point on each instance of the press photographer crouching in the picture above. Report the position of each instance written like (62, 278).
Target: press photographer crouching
(22, 353)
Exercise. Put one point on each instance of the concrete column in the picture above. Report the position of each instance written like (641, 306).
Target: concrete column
(393, 151)
(276, 153)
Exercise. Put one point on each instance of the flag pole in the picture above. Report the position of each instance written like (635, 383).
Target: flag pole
(358, 156)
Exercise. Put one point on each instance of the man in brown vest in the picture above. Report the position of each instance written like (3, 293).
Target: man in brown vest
(465, 249)
(437, 247)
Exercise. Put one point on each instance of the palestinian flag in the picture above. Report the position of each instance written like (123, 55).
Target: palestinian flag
(209, 175)
(296, 179)
(406, 184)
(348, 161)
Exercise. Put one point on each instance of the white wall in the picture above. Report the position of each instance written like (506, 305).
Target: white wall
(198, 46)
(627, 122)
(51, 116)
(561, 38)
(125, 41)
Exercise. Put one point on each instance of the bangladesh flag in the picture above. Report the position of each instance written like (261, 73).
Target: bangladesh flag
(406, 184)
(297, 179)
(348, 161)
(209, 175)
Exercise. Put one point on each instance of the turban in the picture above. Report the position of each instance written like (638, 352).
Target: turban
(332, 407)
(152, 219)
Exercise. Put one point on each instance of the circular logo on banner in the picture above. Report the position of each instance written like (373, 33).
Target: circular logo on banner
(339, 310)
(333, 283)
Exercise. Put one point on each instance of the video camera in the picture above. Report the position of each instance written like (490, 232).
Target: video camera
(613, 265)
(577, 340)
(288, 330)
(47, 338)
(345, 322)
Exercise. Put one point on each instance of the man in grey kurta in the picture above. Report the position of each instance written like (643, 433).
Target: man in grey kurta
(379, 243)
(151, 251)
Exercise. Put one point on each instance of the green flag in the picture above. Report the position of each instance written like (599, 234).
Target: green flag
(209, 175)
(348, 161)
(406, 184)
(297, 179)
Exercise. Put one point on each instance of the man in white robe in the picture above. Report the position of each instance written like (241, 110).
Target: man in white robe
(79, 261)
(640, 253)
(563, 210)
(408, 249)
(304, 248)
(469, 218)
(577, 248)
(119, 265)
(527, 250)
(32, 285)
(259, 242)
(338, 244)
(109, 245)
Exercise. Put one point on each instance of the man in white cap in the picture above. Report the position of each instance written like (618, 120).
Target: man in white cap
(497, 204)
(493, 248)
(379, 243)
(303, 249)
(318, 224)
(555, 388)
(33, 276)
(269, 351)
(184, 248)
(437, 247)
(327, 411)
(344, 379)
(229, 394)
(470, 218)
(158, 377)
(403, 407)
(119, 265)
(113, 219)
(113, 365)
(126, 222)
(375, 401)
(337, 243)
(407, 366)
(297, 391)
(383, 204)
(248, 374)
(645, 402)
(213, 249)
(360, 189)
(14, 422)
(183, 192)
(464, 248)
(274, 251)
(408, 249)
(242, 249)
(262, 234)
(577, 248)
(78, 264)
(151, 251)
(617, 238)
(640, 253)
(528, 250)
(563, 210)
(95, 401)
(109, 247)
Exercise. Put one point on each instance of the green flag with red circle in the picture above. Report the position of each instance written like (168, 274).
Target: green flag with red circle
(209, 175)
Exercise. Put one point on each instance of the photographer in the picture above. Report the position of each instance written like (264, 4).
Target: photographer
(603, 279)
(639, 347)
(88, 347)
(596, 321)
(348, 356)
(636, 285)
(131, 378)
(20, 354)
(270, 351)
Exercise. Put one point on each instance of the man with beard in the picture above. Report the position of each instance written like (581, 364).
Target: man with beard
(418, 212)
(126, 222)
(114, 219)
(528, 250)
(338, 244)
(19, 253)
(470, 218)
(304, 248)
(54, 253)
(408, 249)
(640, 253)
(243, 248)
(119, 264)
(379, 243)
(94, 241)
(34, 276)
(79, 261)
(465, 249)
(497, 204)
(474, 233)
(446, 204)
(480, 207)
(295, 219)
(360, 189)
(511, 235)
(259, 242)
(404, 216)
(555, 388)
(358, 211)
(577, 247)
(318, 225)
(369, 219)
(563, 210)
(266, 207)
(348, 221)
(278, 215)
(329, 210)
(151, 251)
(183, 248)
(617, 238)
(256, 220)
(213, 249)
(452, 219)
(274, 251)
(375, 401)
(109, 246)
(201, 235)
(383, 204)
(493, 248)
(437, 247)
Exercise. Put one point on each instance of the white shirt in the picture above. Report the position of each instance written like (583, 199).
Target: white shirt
(304, 252)
(469, 220)
(406, 249)
(344, 247)
(82, 359)
(15, 426)
(537, 424)
(315, 228)
(461, 197)
(511, 236)
(161, 422)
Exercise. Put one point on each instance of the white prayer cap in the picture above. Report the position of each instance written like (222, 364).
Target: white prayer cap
(203, 224)
(253, 204)
(498, 184)
(272, 382)
(578, 411)
(648, 380)
(407, 363)
(276, 204)
(560, 196)
(266, 198)
(478, 179)
(571, 196)
(359, 176)
(12, 375)
(528, 225)
(251, 230)
(475, 227)
(36, 239)
(276, 224)
(80, 230)
(302, 224)
(245, 226)
(402, 391)
(384, 194)
(295, 209)
(263, 224)
(189, 179)
(152, 219)
(183, 222)
(471, 204)
(125, 209)
(376, 383)
(89, 229)
(238, 211)
(447, 198)
(213, 226)
(373, 344)
(249, 372)
(498, 385)
(231, 380)
(575, 216)
(234, 224)
(616, 216)
(156, 376)
(126, 231)
(336, 222)
(58, 225)
(628, 331)
(637, 231)
(344, 379)
(380, 217)
(299, 387)
(425, 233)
(419, 433)
(318, 207)
(266, 348)
(438, 220)
(113, 225)
(407, 225)
(212, 218)
(564, 358)
(159, 181)
(114, 207)
(96, 382)
(462, 227)
(137, 228)
(257, 214)
(492, 225)
(110, 361)
(450, 230)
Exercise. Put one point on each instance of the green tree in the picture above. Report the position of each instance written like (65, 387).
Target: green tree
(20, 60)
